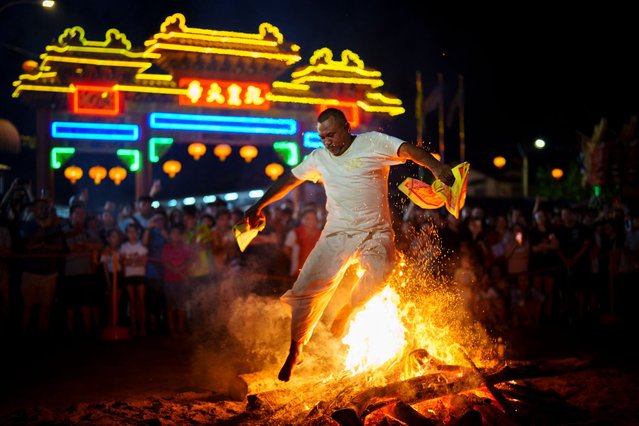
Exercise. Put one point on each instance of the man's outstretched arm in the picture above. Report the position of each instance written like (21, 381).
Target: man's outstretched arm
(278, 190)
(425, 159)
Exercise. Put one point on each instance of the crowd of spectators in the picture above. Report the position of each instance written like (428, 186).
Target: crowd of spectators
(159, 270)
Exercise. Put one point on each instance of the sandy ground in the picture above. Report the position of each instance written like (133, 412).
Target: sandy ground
(159, 380)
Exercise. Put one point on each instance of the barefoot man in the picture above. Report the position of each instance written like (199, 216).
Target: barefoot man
(354, 171)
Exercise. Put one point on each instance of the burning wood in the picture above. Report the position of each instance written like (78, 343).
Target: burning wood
(435, 385)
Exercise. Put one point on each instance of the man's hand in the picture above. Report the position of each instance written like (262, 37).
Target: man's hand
(445, 175)
(253, 216)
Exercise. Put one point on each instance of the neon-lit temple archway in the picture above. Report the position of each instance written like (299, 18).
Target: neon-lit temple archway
(189, 85)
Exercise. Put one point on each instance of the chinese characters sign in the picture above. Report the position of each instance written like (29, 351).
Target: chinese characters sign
(224, 94)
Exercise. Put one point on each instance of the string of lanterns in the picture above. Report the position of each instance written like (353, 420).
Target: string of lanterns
(97, 173)
(173, 167)
(221, 151)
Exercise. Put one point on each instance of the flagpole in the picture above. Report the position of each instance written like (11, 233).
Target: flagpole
(419, 111)
(419, 115)
(462, 127)
(440, 123)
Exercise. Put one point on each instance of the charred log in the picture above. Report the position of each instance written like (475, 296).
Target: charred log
(409, 415)
(435, 385)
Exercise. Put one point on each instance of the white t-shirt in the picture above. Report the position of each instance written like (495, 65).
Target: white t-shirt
(131, 250)
(356, 182)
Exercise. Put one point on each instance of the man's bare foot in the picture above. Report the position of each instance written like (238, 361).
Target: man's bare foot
(340, 321)
(294, 358)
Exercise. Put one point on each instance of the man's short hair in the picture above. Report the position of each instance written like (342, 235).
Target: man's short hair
(337, 114)
(146, 198)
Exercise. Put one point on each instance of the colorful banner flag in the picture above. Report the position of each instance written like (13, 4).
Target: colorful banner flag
(437, 195)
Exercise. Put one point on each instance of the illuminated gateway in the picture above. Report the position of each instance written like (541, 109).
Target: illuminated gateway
(218, 89)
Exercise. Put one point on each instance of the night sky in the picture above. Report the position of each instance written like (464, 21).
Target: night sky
(529, 72)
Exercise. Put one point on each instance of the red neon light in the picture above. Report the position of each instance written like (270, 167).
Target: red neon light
(350, 109)
(224, 94)
(95, 100)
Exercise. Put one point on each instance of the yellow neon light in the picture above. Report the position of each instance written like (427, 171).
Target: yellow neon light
(38, 75)
(290, 86)
(194, 91)
(234, 95)
(376, 96)
(391, 110)
(213, 95)
(322, 60)
(301, 99)
(254, 96)
(179, 20)
(111, 35)
(156, 90)
(159, 77)
(223, 39)
(343, 80)
(288, 58)
(99, 62)
(108, 50)
(34, 88)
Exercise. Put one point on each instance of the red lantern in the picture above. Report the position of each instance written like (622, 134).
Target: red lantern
(248, 153)
(196, 150)
(73, 173)
(222, 151)
(274, 170)
(172, 167)
(117, 174)
(97, 173)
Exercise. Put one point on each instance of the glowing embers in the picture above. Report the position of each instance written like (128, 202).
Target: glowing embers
(95, 100)
(376, 333)
(225, 94)
(224, 124)
(96, 131)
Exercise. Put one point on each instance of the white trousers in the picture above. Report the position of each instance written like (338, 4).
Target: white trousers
(324, 268)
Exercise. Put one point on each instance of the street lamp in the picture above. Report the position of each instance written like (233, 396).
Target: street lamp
(539, 144)
(44, 3)
(47, 4)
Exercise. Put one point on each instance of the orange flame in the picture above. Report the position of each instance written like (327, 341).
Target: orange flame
(416, 319)
(376, 334)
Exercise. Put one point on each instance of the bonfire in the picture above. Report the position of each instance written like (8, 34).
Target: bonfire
(412, 353)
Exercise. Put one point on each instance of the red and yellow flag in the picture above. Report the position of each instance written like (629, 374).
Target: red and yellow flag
(437, 195)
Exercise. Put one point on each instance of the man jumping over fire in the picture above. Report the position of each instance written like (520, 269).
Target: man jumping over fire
(354, 170)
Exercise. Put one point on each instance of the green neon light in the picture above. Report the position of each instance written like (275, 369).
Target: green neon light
(596, 190)
(158, 147)
(130, 157)
(60, 155)
(289, 151)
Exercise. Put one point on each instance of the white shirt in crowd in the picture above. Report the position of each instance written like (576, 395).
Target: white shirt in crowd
(131, 250)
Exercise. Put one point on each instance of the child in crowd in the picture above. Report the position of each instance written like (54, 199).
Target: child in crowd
(134, 258)
(176, 256)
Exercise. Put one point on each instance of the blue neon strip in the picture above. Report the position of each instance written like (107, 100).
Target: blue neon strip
(219, 123)
(97, 131)
(312, 140)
